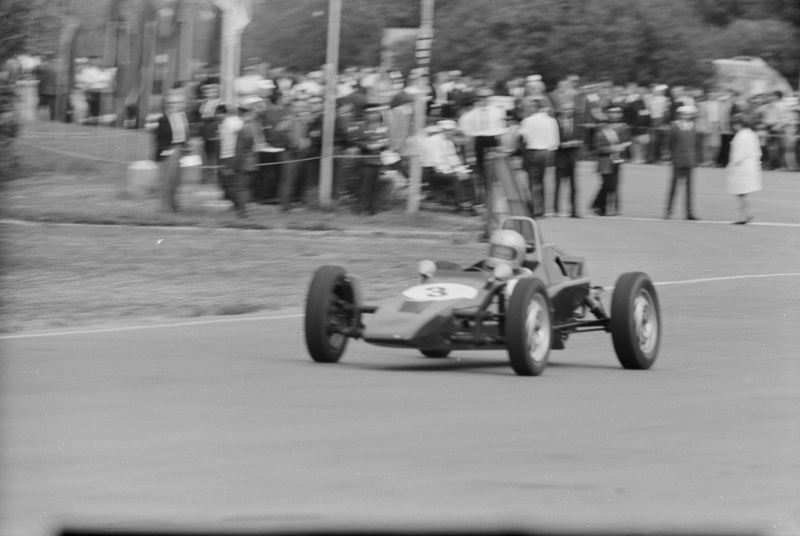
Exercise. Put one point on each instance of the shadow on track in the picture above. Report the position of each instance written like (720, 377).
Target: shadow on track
(458, 363)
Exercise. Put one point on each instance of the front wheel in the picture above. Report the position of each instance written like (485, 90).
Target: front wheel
(331, 312)
(635, 321)
(529, 327)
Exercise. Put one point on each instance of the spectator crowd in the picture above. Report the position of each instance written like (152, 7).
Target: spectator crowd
(266, 146)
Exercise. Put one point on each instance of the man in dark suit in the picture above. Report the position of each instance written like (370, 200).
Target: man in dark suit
(371, 136)
(683, 147)
(172, 135)
(571, 139)
(47, 87)
(609, 144)
(249, 142)
(209, 125)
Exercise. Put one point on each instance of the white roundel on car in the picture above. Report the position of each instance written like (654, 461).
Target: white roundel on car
(440, 292)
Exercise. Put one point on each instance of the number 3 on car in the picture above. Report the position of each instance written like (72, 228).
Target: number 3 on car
(440, 291)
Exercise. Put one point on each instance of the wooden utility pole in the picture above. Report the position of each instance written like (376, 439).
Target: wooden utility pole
(423, 55)
(329, 117)
(236, 15)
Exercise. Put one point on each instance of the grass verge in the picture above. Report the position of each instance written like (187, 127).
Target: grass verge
(58, 276)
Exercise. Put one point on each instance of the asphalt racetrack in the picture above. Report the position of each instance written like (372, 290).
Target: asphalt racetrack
(226, 423)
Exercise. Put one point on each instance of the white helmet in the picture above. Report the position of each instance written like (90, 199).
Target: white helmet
(506, 246)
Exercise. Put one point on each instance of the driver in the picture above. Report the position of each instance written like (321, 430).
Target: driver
(508, 247)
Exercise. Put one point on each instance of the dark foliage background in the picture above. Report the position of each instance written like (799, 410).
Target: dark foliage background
(646, 41)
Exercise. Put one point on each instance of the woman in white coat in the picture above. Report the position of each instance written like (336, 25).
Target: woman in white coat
(743, 173)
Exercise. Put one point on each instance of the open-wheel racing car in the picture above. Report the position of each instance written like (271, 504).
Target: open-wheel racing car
(526, 297)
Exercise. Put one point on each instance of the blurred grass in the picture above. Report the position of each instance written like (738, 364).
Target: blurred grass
(54, 276)
(57, 276)
(101, 198)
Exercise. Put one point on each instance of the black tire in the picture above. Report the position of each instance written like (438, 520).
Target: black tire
(529, 327)
(434, 354)
(330, 310)
(635, 321)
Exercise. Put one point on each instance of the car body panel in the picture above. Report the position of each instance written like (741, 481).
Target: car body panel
(421, 316)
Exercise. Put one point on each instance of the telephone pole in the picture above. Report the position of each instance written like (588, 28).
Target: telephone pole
(423, 55)
(329, 117)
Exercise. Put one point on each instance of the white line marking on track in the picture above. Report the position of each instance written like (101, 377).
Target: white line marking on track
(299, 315)
(715, 279)
(153, 326)
(726, 278)
(695, 222)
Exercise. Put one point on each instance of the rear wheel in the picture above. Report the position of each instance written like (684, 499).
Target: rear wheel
(436, 354)
(635, 321)
(331, 311)
(529, 328)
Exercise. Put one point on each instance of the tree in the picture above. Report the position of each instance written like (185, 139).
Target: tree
(14, 17)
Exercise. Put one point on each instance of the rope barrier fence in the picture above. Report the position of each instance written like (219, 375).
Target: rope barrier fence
(73, 134)
(127, 162)
(141, 136)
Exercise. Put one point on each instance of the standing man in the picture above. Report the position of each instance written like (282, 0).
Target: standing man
(609, 147)
(659, 107)
(540, 138)
(267, 180)
(209, 124)
(570, 141)
(371, 136)
(245, 161)
(637, 117)
(47, 86)
(615, 114)
(683, 147)
(293, 130)
(172, 134)
(229, 127)
(483, 124)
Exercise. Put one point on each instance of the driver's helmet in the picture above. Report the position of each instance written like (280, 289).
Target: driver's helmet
(506, 246)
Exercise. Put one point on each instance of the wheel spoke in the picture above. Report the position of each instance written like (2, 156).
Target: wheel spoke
(645, 324)
(538, 331)
(338, 319)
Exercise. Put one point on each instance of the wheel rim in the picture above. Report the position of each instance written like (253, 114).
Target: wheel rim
(645, 322)
(339, 317)
(537, 328)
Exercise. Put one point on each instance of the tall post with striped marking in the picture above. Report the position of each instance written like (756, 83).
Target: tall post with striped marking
(423, 56)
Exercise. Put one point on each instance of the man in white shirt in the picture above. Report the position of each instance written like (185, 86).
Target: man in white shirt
(172, 134)
(659, 121)
(484, 124)
(442, 167)
(209, 123)
(229, 128)
(540, 137)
